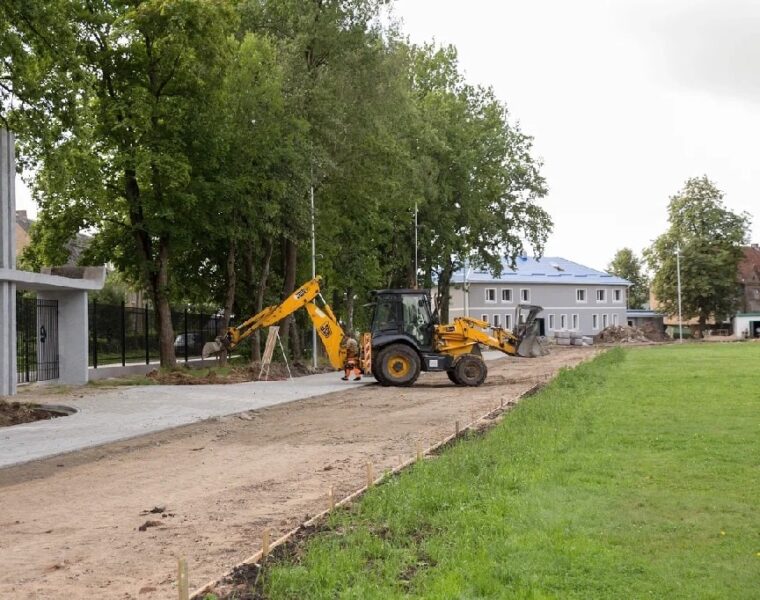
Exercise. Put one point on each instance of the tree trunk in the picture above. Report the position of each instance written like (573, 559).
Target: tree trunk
(163, 310)
(155, 269)
(444, 292)
(700, 328)
(289, 283)
(260, 292)
(349, 310)
(229, 300)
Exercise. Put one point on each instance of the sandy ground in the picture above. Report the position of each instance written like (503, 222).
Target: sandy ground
(70, 525)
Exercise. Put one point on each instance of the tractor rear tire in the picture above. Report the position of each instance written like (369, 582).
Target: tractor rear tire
(452, 374)
(398, 365)
(470, 370)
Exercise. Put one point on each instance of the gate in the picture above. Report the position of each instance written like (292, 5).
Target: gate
(36, 339)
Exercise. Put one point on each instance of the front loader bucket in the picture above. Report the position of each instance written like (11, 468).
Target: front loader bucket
(210, 348)
(530, 347)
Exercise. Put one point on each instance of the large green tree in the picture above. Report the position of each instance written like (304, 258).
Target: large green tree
(108, 113)
(627, 265)
(483, 183)
(709, 237)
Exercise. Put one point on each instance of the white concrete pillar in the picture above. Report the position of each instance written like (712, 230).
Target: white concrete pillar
(72, 334)
(7, 261)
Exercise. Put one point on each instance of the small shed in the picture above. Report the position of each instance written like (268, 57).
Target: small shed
(747, 325)
(643, 318)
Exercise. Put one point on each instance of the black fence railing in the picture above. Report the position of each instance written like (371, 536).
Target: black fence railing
(122, 335)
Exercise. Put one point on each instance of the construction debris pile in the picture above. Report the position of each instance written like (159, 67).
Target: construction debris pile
(624, 334)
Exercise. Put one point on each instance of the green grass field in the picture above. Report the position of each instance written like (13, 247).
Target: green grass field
(636, 475)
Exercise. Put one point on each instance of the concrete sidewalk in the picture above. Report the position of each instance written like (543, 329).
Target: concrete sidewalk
(124, 413)
(119, 414)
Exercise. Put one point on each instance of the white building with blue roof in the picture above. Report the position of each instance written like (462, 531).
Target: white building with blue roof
(573, 297)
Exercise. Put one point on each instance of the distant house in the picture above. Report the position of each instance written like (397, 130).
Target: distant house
(644, 317)
(573, 297)
(746, 322)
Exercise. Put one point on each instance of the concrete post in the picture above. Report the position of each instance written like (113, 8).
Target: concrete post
(7, 261)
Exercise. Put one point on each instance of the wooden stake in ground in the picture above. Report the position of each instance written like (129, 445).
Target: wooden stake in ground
(456, 429)
(419, 452)
(331, 498)
(183, 585)
(370, 475)
(265, 544)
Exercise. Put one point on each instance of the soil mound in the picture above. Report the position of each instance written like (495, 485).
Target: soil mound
(623, 334)
(239, 374)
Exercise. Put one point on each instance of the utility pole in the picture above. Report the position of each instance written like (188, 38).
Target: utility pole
(466, 290)
(416, 267)
(678, 271)
(313, 273)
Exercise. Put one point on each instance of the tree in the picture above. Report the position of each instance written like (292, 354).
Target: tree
(482, 182)
(710, 237)
(627, 265)
(113, 130)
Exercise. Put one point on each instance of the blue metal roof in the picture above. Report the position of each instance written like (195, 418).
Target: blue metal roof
(548, 269)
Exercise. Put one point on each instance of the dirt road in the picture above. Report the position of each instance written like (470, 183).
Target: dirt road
(70, 525)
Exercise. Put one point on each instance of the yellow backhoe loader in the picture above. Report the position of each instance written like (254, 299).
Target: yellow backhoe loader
(405, 338)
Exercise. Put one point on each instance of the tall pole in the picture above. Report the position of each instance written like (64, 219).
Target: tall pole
(313, 273)
(416, 267)
(466, 291)
(678, 270)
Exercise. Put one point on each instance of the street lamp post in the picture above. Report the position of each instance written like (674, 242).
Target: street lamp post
(678, 276)
(313, 273)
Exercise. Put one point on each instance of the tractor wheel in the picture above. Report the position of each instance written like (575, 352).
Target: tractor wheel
(453, 376)
(397, 364)
(470, 370)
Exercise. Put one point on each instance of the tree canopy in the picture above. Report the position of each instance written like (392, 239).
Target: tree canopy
(187, 138)
(627, 265)
(709, 237)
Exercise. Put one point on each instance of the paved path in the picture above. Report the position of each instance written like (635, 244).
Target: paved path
(125, 413)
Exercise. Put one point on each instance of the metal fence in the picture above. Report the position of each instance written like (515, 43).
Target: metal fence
(37, 356)
(122, 335)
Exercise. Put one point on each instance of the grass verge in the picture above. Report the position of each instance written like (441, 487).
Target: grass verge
(635, 475)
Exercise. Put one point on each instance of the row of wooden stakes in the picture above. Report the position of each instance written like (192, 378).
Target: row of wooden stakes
(182, 573)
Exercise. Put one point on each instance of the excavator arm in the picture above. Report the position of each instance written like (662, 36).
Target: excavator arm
(328, 328)
(459, 337)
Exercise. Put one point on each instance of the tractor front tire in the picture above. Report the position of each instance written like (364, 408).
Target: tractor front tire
(397, 365)
(452, 374)
(470, 370)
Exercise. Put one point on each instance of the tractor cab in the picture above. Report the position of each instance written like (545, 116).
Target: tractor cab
(403, 313)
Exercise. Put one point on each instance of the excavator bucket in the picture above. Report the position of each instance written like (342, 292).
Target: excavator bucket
(211, 348)
(530, 347)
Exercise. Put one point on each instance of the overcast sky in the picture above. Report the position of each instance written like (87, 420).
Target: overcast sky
(626, 99)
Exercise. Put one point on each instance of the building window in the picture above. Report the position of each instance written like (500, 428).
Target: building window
(575, 321)
(490, 294)
(604, 321)
(484, 318)
(525, 295)
(507, 321)
(497, 321)
(506, 295)
(601, 295)
(563, 321)
(551, 322)
(617, 295)
(580, 295)
(594, 321)
(615, 320)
